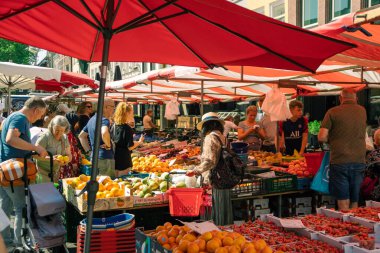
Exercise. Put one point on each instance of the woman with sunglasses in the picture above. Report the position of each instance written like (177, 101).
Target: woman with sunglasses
(84, 112)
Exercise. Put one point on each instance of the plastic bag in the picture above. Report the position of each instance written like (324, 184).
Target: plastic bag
(320, 182)
(275, 105)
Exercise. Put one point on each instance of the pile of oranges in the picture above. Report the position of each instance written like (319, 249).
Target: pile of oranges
(182, 239)
(107, 188)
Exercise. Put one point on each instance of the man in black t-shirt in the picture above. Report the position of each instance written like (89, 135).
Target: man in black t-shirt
(294, 131)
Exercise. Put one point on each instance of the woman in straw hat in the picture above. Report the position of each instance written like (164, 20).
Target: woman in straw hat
(212, 129)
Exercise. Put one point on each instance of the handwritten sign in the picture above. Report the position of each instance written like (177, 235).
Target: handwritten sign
(291, 223)
(201, 227)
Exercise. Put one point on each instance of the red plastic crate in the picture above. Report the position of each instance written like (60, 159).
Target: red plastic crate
(313, 161)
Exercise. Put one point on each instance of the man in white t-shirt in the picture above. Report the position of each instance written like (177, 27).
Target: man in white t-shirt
(229, 125)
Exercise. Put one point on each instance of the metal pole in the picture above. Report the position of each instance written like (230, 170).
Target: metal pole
(93, 185)
(161, 117)
(9, 102)
(202, 94)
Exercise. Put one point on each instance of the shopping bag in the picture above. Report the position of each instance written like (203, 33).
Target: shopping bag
(320, 182)
(275, 105)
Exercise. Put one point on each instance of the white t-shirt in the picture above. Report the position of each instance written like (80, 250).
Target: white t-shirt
(35, 133)
(228, 126)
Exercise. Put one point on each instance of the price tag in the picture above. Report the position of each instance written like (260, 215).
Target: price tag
(4, 221)
(172, 162)
(269, 174)
(291, 223)
(201, 227)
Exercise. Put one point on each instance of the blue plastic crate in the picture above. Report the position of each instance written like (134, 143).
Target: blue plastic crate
(139, 175)
(113, 222)
(243, 157)
(303, 183)
(85, 169)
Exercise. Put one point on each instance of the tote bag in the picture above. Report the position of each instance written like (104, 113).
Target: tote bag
(321, 180)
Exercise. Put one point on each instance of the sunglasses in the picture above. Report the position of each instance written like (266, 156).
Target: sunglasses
(89, 106)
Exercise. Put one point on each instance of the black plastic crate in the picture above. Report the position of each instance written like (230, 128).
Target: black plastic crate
(282, 182)
(249, 187)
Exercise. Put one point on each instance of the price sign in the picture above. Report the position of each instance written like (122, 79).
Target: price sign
(201, 227)
(291, 223)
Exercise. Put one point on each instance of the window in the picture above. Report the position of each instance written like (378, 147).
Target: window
(277, 10)
(340, 7)
(309, 12)
(260, 10)
(374, 2)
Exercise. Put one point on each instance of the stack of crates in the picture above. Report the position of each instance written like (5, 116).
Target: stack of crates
(109, 235)
(300, 206)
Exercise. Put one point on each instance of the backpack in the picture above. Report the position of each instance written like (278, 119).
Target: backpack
(12, 172)
(229, 170)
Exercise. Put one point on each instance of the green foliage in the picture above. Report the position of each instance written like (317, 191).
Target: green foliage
(15, 52)
(314, 127)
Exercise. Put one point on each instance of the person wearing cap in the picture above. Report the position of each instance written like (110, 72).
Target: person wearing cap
(250, 131)
(212, 128)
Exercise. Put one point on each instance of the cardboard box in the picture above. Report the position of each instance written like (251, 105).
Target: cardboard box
(301, 202)
(257, 213)
(100, 204)
(303, 211)
(158, 198)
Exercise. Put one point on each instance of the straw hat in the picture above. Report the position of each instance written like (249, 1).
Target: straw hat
(207, 117)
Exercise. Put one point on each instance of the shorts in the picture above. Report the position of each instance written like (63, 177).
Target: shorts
(345, 180)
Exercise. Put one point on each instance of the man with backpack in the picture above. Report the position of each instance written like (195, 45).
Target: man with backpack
(16, 143)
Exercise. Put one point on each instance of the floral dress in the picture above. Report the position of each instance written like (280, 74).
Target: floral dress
(72, 168)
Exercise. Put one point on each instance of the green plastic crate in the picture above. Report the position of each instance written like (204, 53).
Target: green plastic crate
(281, 183)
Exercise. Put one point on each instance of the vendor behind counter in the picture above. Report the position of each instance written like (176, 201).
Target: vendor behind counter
(250, 131)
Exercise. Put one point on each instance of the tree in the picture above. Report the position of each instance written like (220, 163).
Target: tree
(15, 52)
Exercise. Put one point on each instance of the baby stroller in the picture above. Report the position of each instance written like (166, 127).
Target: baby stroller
(42, 226)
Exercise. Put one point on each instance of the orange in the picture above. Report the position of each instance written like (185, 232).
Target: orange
(247, 244)
(192, 248)
(212, 245)
(250, 250)
(206, 236)
(167, 246)
(183, 245)
(177, 250)
(279, 251)
(173, 232)
(239, 241)
(186, 229)
(227, 241)
(189, 237)
(267, 249)
(162, 239)
(234, 249)
(221, 250)
(168, 225)
(260, 244)
(171, 240)
(201, 243)
(81, 186)
(178, 239)
(159, 228)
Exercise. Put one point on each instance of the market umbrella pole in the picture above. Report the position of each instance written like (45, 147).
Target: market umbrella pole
(9, 97)
(93, 185)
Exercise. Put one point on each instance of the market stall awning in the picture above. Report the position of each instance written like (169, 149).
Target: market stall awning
(356, 28)
(18, 76)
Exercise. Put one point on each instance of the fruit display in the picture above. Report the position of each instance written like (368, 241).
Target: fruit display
(107, 187)
(147, 187)
(152, 164)
(182, 239)
(364, 241)
(369, 213)
(296, 167)
(295, 156)
(333, 226)
(265, 157)
(279, 239)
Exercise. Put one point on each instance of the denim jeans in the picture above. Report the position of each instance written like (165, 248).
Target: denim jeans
(8, 201)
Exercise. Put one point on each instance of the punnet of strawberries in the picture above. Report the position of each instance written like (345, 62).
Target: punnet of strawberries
(369, 213)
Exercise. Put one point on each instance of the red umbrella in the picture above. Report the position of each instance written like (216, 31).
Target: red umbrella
(183, 32)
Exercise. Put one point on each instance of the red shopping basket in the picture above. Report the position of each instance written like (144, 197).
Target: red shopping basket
(185, 202)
